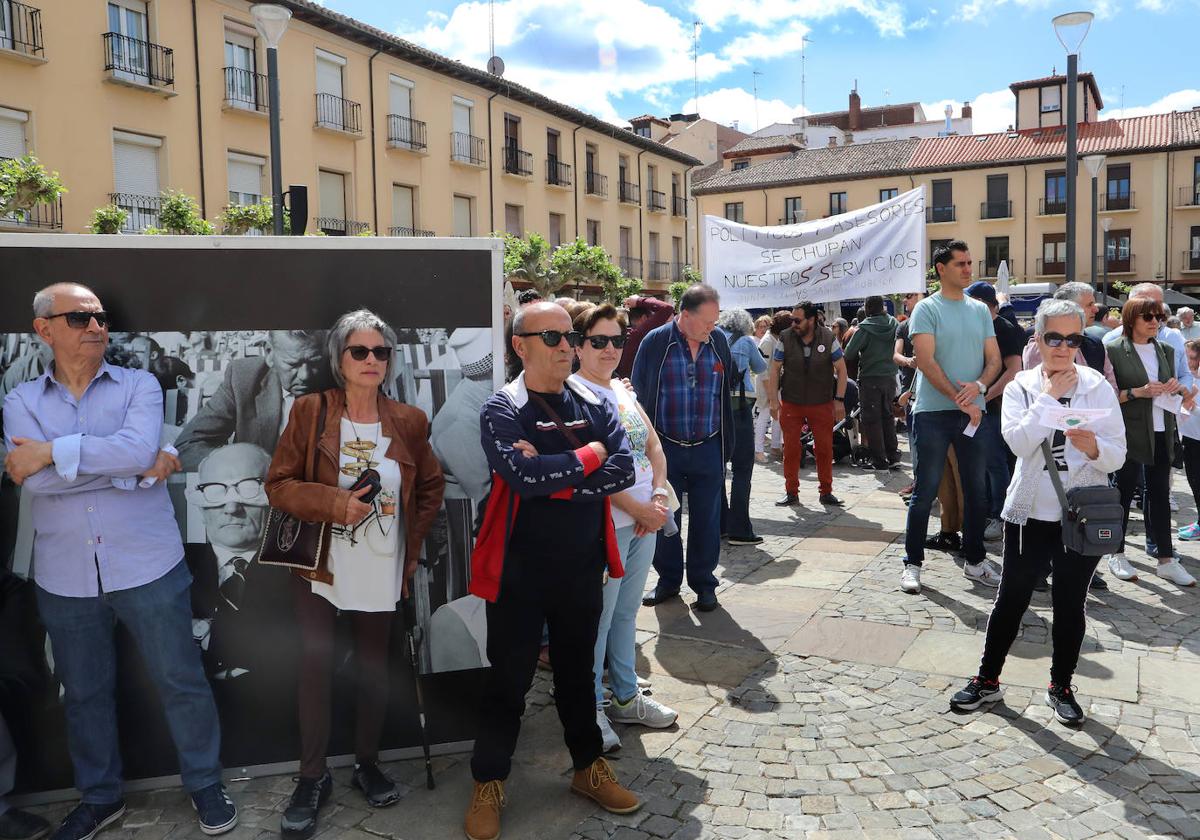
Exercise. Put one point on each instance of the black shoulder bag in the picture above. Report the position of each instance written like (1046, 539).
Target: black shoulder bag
(1092, 517)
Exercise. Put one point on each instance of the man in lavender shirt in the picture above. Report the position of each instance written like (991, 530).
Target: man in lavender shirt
(107, 550)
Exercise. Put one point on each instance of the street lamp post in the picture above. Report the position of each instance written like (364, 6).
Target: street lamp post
(1093, 164)
(271, 21)
(1071, 28)
(1107, 223)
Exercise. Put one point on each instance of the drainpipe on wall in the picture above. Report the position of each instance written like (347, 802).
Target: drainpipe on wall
(1169, 205)
(766, 215)
(575, 163)
(199, 115)
(1025, 223)
(687, 192)
(646, 192)
(374, 180)
(491, 172)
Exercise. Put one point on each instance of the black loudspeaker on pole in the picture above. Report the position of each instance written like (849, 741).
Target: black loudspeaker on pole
(297, 205)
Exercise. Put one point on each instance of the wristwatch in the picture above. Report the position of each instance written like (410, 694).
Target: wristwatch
(982, 387)
(839, 399)
(1129, 395)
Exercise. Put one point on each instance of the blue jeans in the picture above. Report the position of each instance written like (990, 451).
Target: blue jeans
(158, 615)
(735, 515)
(996, 463)
(933, 433)
(617, 632)
(699, 473)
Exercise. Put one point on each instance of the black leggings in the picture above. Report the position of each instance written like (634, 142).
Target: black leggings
(1191, 466)
(1031, 551)
(1156, 505)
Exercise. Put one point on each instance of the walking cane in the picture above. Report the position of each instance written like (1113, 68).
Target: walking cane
(413, 634)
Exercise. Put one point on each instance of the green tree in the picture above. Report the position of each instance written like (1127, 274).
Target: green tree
(620, 287)
(691, 276)
(25, 183)
(180, 215)
(677, 289)
(578, 262)
(529, 260)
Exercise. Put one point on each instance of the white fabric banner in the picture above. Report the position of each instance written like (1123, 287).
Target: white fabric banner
(877, 250)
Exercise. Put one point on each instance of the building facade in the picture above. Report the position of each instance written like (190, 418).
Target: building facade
(129, 98)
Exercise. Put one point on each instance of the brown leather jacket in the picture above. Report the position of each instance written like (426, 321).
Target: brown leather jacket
(421, 480)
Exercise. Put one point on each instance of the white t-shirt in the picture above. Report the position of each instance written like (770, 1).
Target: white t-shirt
(1046, 504)
(367, 560)
(638, 434)
(1148, 353)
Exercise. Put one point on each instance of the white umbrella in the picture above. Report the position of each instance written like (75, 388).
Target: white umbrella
(1002, 277)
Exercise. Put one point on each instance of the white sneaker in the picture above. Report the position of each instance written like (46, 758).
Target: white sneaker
(611, 741)
(644, 710)
(993, 531)
(1174, 504)
(1175, 573)
(910, 579)
(1121, 568)
(982, 572)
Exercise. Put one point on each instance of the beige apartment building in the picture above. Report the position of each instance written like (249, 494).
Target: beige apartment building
(128, 98)
(1004, 193)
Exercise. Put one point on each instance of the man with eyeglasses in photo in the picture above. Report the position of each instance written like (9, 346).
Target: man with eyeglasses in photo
(107, 550)
(557, 453)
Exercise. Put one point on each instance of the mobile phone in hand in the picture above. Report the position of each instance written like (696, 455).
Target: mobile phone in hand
(367, 478)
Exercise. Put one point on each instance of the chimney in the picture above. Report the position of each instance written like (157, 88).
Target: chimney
(832, 141)
(966, 111)
(855, 109)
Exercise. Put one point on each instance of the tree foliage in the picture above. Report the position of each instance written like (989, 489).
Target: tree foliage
(579, 262)
(180, 215)
(109, 219)
(529, 260)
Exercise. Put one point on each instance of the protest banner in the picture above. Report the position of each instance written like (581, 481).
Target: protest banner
(877, 250)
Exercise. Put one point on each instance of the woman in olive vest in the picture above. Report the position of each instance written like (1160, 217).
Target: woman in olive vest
(1143, 367)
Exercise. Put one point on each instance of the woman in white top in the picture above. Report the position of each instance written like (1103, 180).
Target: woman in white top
(764, 416)
(1032, 514)
(1189, 430)
(637, 513)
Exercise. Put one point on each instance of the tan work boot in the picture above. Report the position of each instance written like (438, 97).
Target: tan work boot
(483, 816)
(598, 782)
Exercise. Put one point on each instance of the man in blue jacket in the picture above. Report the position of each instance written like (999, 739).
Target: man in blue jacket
(681, 375)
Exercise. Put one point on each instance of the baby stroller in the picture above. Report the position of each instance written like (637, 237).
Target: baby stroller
(847, 442)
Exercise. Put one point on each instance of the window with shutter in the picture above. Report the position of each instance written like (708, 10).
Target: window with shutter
(333, 196)
(329, 74)
(245, 179)
(135, 178)
(512, 220)
(462, 215)
(402, 209)
(12, 133)
(400, 96)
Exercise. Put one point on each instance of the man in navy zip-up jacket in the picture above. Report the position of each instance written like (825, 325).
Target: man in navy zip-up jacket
(681, 375)
(543, 549)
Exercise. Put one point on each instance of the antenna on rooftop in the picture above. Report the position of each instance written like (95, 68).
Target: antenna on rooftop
(696, 64)
(495, 64)
(803, 80)
(756, 74)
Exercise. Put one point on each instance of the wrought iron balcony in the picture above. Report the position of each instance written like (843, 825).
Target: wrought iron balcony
(141, 62)
(1052, 206)
(407, 231)
(1051, 268)
(406, 133)
(22, 29)
(934, 215)
(995, 210)
(597, 184)
(246, 89)
(679, 206)
(142, 210)
(1189, 196)
(338, 114)
(340, 227)
(676, 272)
(656, 201)
(1117, 263)
(467, 148)
(1191, 260)
(631, 266)
(629, 192)
(39, 217)
(660, 271)
(517, 161)
(558, 174)
(794, 218)
(1111, 201)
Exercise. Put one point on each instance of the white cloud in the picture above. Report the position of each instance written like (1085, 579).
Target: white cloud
(1180, 100)
(886, 15)
(990, 112)
(985, 9)
(733, 104)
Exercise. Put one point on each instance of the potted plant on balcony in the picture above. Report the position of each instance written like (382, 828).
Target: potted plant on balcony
(240, 219)
(24, 184)
(180, 215)
(109, 219)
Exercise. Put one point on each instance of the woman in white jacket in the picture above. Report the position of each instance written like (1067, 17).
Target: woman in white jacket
(1032, 513)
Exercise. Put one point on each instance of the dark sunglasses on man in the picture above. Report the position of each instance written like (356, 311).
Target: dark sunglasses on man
(599, 342)
(1053, 339)
(552, 338)
(81, 320)
(359, 353)
(1154, 316)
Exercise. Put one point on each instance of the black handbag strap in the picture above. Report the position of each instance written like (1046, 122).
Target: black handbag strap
(553, 415)
(312, 476)
(1054, 477)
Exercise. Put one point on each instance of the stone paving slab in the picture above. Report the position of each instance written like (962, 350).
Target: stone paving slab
(1172, 684)
(852, 641)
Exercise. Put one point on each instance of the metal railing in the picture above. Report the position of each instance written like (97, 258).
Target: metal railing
(38, 217)
(1050, 269)
(1116, 201)
(1116, 264)
(679, 206)
(1191, 260)
(794, 218)
(597, 184)
(939, 214)
(1052, 206)
(408, 231)
(136, 60)
(142, 210)
(630, 266)
(676, 272)
(1189, 196)
(660, 270)
(558, 174)
(340, 227)
(656, 200)
(629, 192)
(467, 148)
(995, 210)
(405, 132)
(517, 161)
(22, 28)
(246, 89)
(338, 114)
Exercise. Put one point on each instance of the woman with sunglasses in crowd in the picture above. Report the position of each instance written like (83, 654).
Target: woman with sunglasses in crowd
(374, 544)
(638, 513)
(1032, 514)
(1143, 367)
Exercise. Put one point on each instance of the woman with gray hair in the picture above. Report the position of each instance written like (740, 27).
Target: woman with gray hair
(738, 327)
(353, 457)
(1033, 542)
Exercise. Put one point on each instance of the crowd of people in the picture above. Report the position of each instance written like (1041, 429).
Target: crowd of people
(610, 421)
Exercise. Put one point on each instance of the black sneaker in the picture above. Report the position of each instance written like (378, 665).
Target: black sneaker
(753, 539)
(944, 541)
(300, 818)
(86, 821)
(977, 692)
(1098, 583)
(1062, 700)
(215, 809)
(16, 824)
(659, 596)
(830, 499)
(378, 788)
(1042, 584)
(788, 500)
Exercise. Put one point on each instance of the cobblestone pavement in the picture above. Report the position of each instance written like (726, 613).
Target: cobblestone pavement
(813, 704)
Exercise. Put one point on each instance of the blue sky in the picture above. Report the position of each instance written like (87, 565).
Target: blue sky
(621, 58)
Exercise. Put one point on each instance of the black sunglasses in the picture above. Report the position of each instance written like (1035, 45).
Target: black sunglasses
(359, 353)
(552, 338)
(599, 342)
(81, 320)
(1074, 340)
(1154, 316)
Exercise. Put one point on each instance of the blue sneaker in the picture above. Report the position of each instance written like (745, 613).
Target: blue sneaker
(1190, 532)
(86, 820)
(215, 809)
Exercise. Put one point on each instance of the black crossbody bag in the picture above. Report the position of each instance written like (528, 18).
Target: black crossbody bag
(1092, 517)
